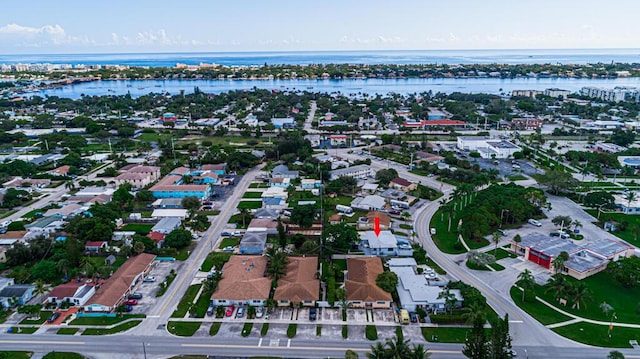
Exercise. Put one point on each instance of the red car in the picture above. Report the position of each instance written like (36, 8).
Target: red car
(131, 302)
(230, 310)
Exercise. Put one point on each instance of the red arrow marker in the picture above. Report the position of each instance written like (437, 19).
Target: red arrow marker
(376, 226)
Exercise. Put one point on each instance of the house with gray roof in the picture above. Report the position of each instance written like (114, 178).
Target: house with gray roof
(415, 291)
(22, 293)
(282, 171)
(253, 242)
(167, 224)
(369, 203)
(385, 244)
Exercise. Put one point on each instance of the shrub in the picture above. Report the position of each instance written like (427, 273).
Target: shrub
(345, 331)
(291, 330)
(371, 332)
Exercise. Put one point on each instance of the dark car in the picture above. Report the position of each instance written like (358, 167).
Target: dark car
(414, 317)
(313, 312)
(135, 296)
(53, 317)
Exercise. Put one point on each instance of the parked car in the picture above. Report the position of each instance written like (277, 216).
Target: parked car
(53, 317)
(135, 295)
(210, 310)
(259, 312)
(313, 312)
(228, 249)
(414, 317)
(131, 302)
(535, 222)
(501, 231)
(240, 312)
(128, 308)
(230, 310)
(149, 279)
(394, 211)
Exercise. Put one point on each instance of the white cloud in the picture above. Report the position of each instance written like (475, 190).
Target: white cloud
(19, 30)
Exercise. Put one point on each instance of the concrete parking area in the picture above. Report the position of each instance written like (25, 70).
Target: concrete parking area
(331, 314)
(149, 289)
(384, 315)
(356, 316)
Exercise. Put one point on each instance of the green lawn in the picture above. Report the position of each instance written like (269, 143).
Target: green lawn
(246, 329)
(445, 334)
(472, 265)
(33, 213)
(596, 335)
(217, 259)
(371, 332)
(44, 315)
(250, 204)
(603, 289)
(104, 320)
(259, 185)
(139, 228)
(23, 330)
(252, 195)
(631, 220)
(292, 330)
(517, 178)
(67, 331)
(186, 301)
(215, 327)
(15, 355)
(264, 330)
(539, 311)
(163, 288)
(202, 304)
(183, 329)
(406, 226)
(117, 329)
(229, 242)
(502, 253)
(445, 240)
(497, 267)
(63, 355)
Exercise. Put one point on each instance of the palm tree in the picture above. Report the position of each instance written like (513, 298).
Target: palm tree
(558, 284)
(474, 312)
(378, 351)
(69, 185)
(63, 266)
(397, 348)
(40, 287)
(277, 266)
(526, 281)
(496, 240)
(86, 267)
(630, 196)
(580, 294)
(576, 224)
(419, 352)
(138, 247)
(442, 202)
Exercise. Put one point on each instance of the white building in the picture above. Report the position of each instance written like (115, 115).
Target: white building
(486, 147)
(358, 172)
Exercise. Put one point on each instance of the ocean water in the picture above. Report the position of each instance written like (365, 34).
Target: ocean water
(353, 87)
(573, 56)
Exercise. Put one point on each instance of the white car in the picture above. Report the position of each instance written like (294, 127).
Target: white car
(535, 222)
(149, 279)
(259, 312)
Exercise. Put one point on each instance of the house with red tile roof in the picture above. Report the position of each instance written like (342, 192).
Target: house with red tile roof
(300, 284)
(360, 284)
(76, 293)
(243, 282)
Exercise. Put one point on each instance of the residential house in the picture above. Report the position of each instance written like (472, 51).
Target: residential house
(357, 172)
(253, 242)
(274, 198)
(416, 292)
(167, 203)
(76, 293)
(45, 225)
(16, 294)
(157, 238)
(367, 222)
(360, 283)
(335, 218)
(282, 171)
(300, 284)
(369, 203)
(175, 213)
(171, 186)
(153, 172)
(243, 282)
(126, 237)
(167, 224)
(397, 199)
(114, 291)
(95, 246)
(60, 171)
(338, 140)
(384, 244)
(282, 182)
(283, 122)
(266, 213)
(219, 168)
(314, 139)
(264, 225)
(66, 211)
(403, 185)
(370, 188)
(136, 180)
(310, 184)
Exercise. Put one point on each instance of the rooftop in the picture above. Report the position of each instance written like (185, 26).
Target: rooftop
(243, 279)
(300, 283)
(361, 283)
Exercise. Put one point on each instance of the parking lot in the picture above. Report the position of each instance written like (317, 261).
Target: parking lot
(149, 289)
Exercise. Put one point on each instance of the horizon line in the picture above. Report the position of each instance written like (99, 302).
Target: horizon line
(322, 51)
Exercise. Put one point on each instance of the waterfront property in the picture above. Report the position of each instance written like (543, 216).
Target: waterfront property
(360, 283)
(243, 282)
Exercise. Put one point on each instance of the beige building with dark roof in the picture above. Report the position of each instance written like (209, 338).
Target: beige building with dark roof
(244, 281)
(300, 284)
(360, 284)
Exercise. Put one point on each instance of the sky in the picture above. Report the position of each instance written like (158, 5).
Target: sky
(117, 26)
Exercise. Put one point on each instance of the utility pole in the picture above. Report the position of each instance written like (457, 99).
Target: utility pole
(321, 214)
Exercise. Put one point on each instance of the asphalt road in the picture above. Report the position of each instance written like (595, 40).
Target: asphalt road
(131, 346)
(164, 307)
